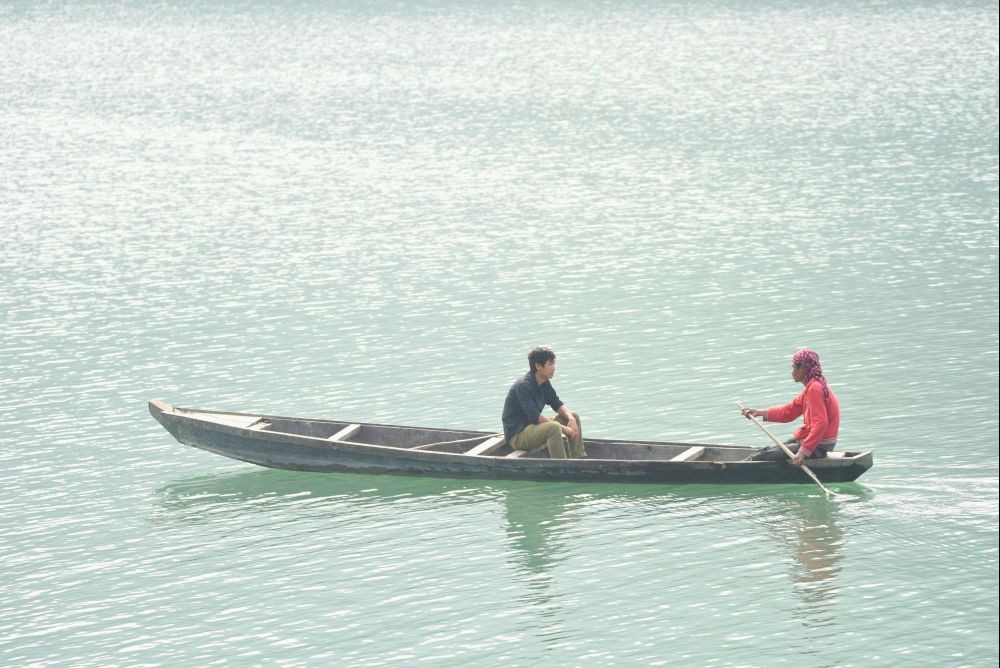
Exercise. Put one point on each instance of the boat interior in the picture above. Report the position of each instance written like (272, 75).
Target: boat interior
(475, 443)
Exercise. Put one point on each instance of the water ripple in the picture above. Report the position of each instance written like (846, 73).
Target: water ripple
(372, 212)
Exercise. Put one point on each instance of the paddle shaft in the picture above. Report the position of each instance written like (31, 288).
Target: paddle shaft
(785, 448)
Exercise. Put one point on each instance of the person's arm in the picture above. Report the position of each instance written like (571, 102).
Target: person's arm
(570, 428)
(553, 400)
(814, 424)
(529, 406)
(786, 413)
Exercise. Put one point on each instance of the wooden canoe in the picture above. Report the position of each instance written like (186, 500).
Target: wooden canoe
(330, 446)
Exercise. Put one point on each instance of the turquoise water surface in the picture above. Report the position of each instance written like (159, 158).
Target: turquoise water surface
(372, 211)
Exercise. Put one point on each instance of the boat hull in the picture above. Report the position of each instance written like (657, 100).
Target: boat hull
(646, 462)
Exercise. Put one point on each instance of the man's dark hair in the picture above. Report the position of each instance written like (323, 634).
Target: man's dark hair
(540, 355)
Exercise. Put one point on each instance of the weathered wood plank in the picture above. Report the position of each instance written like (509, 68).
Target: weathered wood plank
(690, 454)
(345, 433)
(487, 447)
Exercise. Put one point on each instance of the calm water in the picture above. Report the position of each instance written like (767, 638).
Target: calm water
(372, 211)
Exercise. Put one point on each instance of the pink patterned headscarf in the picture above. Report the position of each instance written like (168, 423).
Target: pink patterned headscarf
(811, 370)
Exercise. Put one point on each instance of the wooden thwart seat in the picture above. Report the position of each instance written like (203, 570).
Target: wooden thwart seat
(345, 433)
(690, 454)
(487, 447)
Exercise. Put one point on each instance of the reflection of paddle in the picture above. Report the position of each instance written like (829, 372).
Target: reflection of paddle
(787, 451)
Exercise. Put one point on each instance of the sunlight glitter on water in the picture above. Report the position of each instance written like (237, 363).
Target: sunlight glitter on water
(372, 212)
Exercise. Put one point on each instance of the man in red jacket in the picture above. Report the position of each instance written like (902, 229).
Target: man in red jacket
(819, 410)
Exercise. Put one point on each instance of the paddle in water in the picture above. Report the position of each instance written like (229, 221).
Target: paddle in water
(788, 452)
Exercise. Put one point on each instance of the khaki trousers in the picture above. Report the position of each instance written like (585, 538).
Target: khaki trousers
(550, 434)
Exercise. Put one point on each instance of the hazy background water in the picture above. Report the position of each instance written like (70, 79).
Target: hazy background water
(371, 211)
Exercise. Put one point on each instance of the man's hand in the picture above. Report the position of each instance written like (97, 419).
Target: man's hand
(751, 412)
(570, 428)
(799, 457)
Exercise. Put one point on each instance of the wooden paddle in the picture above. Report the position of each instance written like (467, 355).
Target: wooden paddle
(787, 451)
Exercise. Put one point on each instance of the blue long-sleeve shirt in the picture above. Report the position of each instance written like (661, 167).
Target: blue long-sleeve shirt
(524, 403)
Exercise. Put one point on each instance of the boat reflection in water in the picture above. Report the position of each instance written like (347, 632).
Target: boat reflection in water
(809, 531)
(678, 541)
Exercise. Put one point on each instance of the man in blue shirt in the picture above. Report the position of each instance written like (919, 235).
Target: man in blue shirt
(524, 426)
